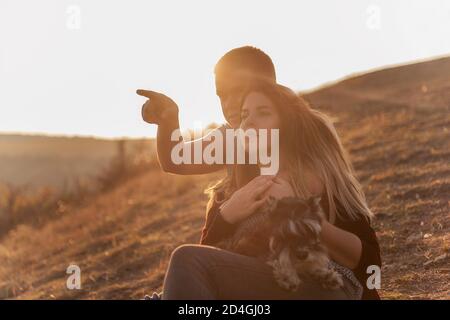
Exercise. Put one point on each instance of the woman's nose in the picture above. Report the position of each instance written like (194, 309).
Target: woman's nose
(248, 123)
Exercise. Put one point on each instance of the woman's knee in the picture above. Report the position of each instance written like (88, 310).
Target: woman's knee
(187, 254)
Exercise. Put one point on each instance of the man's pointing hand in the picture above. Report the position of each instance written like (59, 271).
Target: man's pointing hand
(158, 108)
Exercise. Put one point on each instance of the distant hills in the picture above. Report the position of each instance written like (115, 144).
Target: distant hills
(37, 160)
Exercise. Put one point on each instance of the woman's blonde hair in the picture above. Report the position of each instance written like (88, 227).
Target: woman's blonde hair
(310, 143)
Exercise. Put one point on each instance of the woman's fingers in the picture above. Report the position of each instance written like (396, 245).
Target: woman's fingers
(280, 180)
(259, 180)
(281, 188)
(262, 188)
(259, 203)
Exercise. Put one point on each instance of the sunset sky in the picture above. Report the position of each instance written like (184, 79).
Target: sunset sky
(72, 67)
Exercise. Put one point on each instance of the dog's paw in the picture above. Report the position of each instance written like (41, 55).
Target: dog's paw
(333, 281)
(286, 278)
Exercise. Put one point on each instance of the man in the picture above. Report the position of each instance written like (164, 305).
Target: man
(232, 71)
(235, 68)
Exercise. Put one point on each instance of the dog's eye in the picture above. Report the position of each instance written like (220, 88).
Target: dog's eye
(301, 254)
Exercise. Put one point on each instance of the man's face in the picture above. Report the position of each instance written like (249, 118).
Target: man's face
(228, 90)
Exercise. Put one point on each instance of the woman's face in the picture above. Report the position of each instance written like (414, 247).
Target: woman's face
(259, 112)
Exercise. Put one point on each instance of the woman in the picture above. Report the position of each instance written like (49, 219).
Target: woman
(312, 162)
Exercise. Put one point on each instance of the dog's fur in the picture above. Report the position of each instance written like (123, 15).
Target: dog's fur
(286, 234)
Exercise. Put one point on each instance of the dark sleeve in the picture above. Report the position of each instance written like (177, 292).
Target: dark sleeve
(215, 228)
(370, 254)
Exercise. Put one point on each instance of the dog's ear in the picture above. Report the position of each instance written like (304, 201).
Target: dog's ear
(316, 207)
(281, 208)
(315, 201)
(271, 204)
(275, 245)
(297, 207)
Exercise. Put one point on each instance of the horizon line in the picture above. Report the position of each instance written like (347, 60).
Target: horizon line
(305, 91)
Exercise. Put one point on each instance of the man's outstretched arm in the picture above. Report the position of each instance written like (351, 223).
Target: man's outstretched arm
(165, 146)
(163, 111)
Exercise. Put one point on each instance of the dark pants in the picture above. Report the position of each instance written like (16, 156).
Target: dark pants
(205, 272)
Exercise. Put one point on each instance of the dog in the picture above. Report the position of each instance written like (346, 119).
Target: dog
(285, 234)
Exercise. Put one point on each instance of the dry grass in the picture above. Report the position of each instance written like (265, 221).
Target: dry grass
(121, 241)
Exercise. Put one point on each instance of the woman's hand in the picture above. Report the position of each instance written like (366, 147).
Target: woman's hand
(247, 199)
(280, 189)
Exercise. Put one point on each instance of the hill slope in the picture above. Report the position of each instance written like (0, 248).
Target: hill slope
(395, 124)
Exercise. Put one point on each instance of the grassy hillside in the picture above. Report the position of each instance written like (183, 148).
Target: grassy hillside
(395, 124)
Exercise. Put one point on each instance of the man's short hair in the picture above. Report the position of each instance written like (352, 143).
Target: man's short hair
(247, 58)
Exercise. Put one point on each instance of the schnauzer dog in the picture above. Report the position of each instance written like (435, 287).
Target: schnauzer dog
(286, 234)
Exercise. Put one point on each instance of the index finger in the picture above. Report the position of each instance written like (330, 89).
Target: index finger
(259, 190)
(279, 180)
(261, 179)
(147, 93)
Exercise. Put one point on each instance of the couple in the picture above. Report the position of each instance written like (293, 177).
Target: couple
(312, 162)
